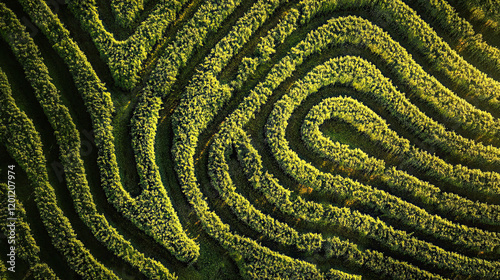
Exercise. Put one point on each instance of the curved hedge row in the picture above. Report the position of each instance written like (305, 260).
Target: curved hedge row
(484, 13)
(313, 212)
(189, 119)
(168, 231)
(23, 143)
(457, 145)
(429, 131)
(146, 112)
(254, 99)
(463, 33)
(26, 247)
(126, 58)
(345, 70)
(69, 142)
(421, 36)
(401, 183)
(258, 96)
(266, 47)
(244, 210)
(360, 32)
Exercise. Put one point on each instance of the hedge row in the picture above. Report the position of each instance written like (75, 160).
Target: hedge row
(266, 47)
(126, 11)
(258, 258)
(367, 122)
(126, 58)
(68, 139)
(420, 35)
(459, 72)
(275, 230)
(145, 115)
(186, 131)
(158, 220)
(257, 96)
(25, 245)
(429, 131)
(23, 143)
(313, 212)
(205, 94)
(360, 32)
(462, 32)
(426, 129)
(190, 118)
(485, 13)
(356, 72)
(193, 35)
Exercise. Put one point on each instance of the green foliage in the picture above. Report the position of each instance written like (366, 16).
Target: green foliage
(400, 182)
(248, 90)
(126, 11)
(441, 57)
(315, 213)
(167, 229)
(24, 145)
(244, 210)
(69, 143)
(344, 70)
(126, 58)
(191, 117)
(26, 245)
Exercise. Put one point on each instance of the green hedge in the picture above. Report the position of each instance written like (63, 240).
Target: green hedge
(355, 72)
(192, 115)
(312, 212)
(462, 32)
(161, 222)
(26, 247)
(420, 35)
(126, 58)
(23, 143)
(68, 139)
(266, 47)
(341, 30)
(275, 230)
(368, 123)
(259, 95)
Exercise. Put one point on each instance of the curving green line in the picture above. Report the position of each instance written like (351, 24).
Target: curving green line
(24, 145)
(367, 122)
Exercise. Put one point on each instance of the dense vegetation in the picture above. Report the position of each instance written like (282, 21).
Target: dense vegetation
(266, 139)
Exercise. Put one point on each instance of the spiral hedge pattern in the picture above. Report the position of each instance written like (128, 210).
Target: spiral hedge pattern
(267, 139)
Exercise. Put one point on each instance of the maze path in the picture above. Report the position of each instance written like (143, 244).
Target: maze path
(23, 142)
(260, 191)
(28, 249)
